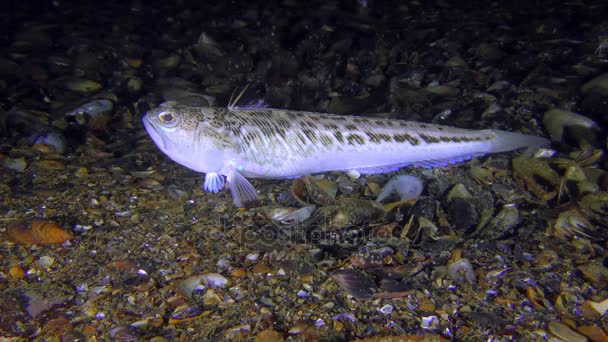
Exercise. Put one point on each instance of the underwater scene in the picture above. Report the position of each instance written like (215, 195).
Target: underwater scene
(340, 170)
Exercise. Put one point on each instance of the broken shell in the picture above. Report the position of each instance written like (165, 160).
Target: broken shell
(51, 138)
(405, 186)
(308, 190)
(461, 270)
(367, 259)
(570, 223)
(186, 314)
(596, 273)
(355, 284)
(459, 191)
(80, 85)
(538, 176)
(45, 261)
(287, 215)
(503, 223)
(39, 232)
(351, 211)
(461, 209)
(600, 307)
(597, 85)
(17, 164)
(564, 332)
(187, 286)
(593, 332)
(97, 113)
(555, 120)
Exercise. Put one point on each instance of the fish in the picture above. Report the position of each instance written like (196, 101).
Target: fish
(231, 144)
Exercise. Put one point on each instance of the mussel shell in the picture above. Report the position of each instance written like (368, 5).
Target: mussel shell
(351, 211)
(308, 190)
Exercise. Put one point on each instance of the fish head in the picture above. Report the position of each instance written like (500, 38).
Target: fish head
(189, 136)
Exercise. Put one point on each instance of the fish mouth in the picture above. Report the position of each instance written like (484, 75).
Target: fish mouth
(154, 132)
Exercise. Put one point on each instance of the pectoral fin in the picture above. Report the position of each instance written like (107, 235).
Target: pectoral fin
(214, 182)
(242, 191)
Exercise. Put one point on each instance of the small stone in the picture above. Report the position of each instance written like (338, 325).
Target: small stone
(595, 273)
(461, 209)
(261, 268)
(386, 310)
(16, 272)
(461, 270)
(18, 164)
(597, 85)
(556, 120)
(45, 261)
(456, 62)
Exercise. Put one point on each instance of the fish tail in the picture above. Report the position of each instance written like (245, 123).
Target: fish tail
(508, 141)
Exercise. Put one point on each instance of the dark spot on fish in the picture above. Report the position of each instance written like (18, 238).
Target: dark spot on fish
(338, 118)
(403, 124)
(378, 138)
(326, 140)
(381, 123)
(310, 124)
(330, 126)
(429, 139)
(260, 114)
(350, 127)
(251, 136)
(355, 139)
(339, 136)
(361, 120)
(406, 137)
(215, 123)
(301, 138)
(310, 134)
(283, 123)
(385, 137)
(373, 138)
(281, 132)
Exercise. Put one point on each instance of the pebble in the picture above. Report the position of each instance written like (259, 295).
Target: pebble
(555, 120)
(462, 271)
(597, 85)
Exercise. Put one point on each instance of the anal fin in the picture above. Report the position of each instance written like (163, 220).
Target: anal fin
(432, 163)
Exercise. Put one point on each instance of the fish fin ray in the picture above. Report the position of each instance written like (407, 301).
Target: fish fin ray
(242, 191)
(504, 141)
(214, 182)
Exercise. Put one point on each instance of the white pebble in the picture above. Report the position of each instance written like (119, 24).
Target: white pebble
(45, 261)
(406, 187)
(213, 280)
(386, 310)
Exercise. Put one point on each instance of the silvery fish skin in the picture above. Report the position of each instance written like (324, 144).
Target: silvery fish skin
(229, 144)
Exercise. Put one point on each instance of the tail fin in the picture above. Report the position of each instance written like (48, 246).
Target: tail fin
(508, 141)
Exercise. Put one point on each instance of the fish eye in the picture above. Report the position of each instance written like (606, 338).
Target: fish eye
(166, 118)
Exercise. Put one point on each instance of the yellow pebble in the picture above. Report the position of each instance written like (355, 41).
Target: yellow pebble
(16, 272)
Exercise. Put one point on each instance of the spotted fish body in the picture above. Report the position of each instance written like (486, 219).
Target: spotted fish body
(274, 143)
